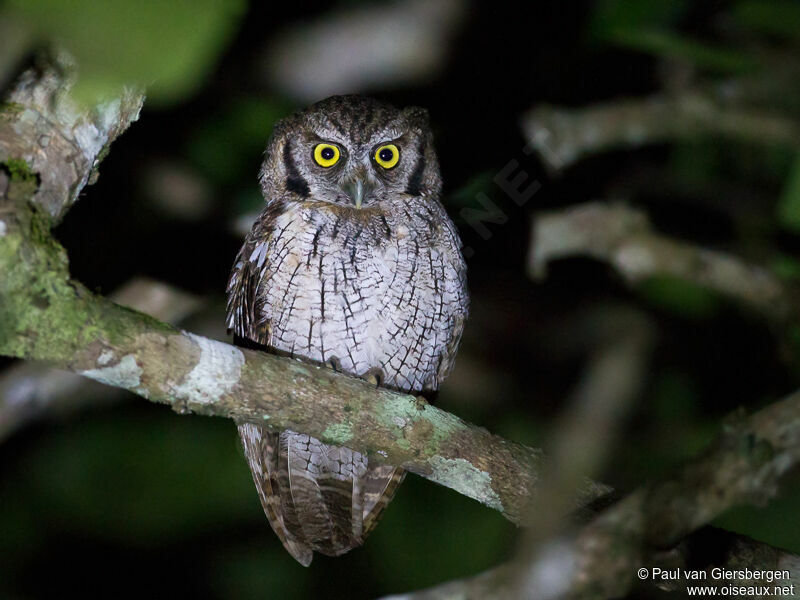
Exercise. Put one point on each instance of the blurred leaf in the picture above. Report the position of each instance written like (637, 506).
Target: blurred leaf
(674, 398)
(613, 16)
(786, 267)
(666, 44)
(483, 182)
(789, 203)
(168, 47)
(680, 297)
(779, 525)
(703, 160)
(257, 571)
(226, 147)
(518, 426)
(695, 161)
(432, 534)
(140, 479)
(771, 17)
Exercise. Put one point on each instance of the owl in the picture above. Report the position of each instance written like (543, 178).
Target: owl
(352, 264)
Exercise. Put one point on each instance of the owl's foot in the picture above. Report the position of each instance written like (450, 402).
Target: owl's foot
(374, 376)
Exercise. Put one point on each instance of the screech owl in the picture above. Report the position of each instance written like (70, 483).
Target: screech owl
(353, 264)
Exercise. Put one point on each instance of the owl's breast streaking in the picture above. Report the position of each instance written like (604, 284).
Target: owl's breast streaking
(371, 291)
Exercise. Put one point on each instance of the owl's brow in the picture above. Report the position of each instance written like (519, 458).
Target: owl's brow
(329, 136)
(386, 135)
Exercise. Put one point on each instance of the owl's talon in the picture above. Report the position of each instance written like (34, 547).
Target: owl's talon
(373, 376)
(421, 402)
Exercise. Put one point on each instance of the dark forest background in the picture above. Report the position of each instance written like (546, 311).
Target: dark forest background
(117, 497)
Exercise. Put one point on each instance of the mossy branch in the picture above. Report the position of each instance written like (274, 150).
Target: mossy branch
(45, 315)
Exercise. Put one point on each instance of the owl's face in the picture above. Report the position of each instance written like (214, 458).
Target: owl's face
(351, 151)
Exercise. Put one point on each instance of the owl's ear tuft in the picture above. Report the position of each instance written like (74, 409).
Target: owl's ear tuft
(417, 117)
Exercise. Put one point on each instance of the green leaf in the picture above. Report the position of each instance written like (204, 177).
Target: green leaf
(167, 47)
(132, 480)
(786, 267)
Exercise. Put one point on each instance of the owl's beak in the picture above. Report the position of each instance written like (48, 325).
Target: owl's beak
(357, 189)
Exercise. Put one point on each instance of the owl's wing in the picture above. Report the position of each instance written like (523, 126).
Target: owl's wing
(324, 492)
(448, 357)
(380, 484)
(456, 282)
(312, 493)
(261, 447)
(245, 308)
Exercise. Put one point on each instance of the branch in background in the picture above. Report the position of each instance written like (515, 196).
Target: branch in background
(744, 466)
(582, 439)
(733, 552)
(30, 390)
(564, 136)
(622, 236)
(738, 553)
(364, 47)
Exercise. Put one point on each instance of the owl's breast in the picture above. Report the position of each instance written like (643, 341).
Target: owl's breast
(365, 294)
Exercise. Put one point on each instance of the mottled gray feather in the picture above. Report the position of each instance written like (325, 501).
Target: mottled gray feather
(378, 291)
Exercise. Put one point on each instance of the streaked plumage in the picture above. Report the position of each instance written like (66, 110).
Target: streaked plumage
(355, 266)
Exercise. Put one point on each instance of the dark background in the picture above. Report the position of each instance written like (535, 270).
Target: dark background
(129, 500)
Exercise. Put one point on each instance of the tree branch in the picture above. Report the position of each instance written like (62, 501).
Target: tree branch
(622, 236)
(743, 466)
(57, 138)
(29, 390)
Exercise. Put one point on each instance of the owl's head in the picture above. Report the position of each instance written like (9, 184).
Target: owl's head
(351, 151)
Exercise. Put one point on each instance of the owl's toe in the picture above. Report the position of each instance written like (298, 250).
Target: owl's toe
(374, 376)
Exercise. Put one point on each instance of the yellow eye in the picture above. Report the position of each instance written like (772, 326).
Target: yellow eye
(387, 156)
(326, 155)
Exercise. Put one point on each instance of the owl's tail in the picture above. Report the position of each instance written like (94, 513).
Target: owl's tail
(317, 497)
